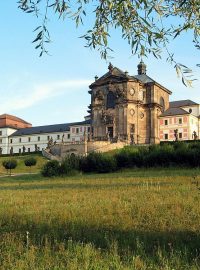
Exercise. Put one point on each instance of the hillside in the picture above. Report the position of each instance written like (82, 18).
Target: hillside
(21, 168)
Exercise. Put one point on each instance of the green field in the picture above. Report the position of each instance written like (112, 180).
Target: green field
(21, 168)
(134, 219)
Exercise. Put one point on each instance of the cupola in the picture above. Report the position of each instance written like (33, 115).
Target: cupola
(142, 68)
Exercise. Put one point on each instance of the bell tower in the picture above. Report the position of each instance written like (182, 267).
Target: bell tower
(142, 68)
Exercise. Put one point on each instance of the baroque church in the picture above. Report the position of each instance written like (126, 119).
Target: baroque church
(125, 107)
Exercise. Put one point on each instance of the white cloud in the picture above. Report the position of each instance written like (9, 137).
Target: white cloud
(28, 98)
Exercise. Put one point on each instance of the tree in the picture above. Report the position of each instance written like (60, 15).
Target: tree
(29, 162)
(51, 168)
(9, 165)
(147, 25)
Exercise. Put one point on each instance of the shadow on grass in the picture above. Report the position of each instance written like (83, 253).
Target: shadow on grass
(78, 186)
(185, 243)
(36, 177)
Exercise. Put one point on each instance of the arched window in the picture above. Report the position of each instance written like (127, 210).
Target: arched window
(111, 100)
(162, 103)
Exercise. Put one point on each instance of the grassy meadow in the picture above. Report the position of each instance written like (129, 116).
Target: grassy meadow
(21, 168)
(134, 219)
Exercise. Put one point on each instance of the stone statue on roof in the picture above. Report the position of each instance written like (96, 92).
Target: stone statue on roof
(110, 68)
(176, 134)
(23, 149)
(194, 135)
(50, 143)
(11, 150)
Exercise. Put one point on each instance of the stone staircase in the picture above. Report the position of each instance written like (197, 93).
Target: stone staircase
(46, 153)
(59, 151)
(104, 146)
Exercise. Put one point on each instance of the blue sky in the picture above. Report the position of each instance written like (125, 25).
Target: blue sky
(54, 89)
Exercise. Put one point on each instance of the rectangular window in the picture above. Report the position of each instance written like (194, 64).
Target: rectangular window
(38, 139)
(68, 136)
(11, 141)
(29, 139)
(48, 138)
(0, 133)
(77, 130)
(180, 135)
(166, 122)
(88, 129)
(20, 139)
(58, 137)
(0, 140)
(180, 121)
(29, 150)
(166, 136)
(20, 150)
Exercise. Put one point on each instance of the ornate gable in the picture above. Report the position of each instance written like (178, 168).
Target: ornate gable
(114, 75)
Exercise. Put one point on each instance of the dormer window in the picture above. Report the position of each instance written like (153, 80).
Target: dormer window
(190, 110)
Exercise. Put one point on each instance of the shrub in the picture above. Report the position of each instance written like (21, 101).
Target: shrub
(70, 164)
(194, 145)
(123, 159)
(90, 162)
(29, 162)
(51, 168)
(106, 164)
(193, 158)
(126, 156)
(160, 156)
(98, 162)
(9, 165)
(180, 146)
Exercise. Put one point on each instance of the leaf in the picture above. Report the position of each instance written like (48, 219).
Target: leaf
(37, 28)
(37, 38)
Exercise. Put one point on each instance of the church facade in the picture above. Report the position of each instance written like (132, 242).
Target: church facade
(125, 107)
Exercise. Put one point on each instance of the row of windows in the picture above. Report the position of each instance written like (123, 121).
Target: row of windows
(78, 130)
(180, 121)
(166, 136)
(28, 150)
(38, 138)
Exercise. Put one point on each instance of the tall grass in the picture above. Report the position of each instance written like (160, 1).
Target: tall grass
(111, 221)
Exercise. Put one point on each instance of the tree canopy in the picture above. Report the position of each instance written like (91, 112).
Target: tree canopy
(147, 25)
